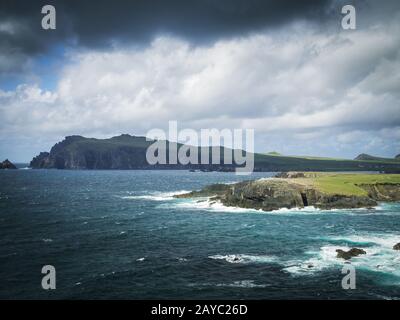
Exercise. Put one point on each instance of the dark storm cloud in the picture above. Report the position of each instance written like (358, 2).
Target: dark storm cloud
(100, 23)
(306, 88)
(195, 20)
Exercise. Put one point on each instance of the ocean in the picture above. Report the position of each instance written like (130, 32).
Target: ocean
(122, 235)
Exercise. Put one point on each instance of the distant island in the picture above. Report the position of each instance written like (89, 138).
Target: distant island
(364, 156)
(7, 164)
(129, 152)
(302, 189)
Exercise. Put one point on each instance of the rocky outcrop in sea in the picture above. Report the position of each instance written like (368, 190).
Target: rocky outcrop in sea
(277, 193)
(7, 164)
(347, 255)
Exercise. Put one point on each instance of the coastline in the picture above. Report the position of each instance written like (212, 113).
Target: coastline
(300, 190)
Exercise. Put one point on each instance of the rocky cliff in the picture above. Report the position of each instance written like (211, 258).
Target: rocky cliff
(76, 152)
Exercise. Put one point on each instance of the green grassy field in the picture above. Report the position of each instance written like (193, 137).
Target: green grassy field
(345, 183)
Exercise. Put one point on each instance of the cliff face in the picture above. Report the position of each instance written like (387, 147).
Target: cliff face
(273, 195)
(383, 191)
(41, 161)
(76, 152)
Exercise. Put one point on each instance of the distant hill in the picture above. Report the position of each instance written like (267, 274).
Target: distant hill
(364, 156)
(274, 153)
(129, 152)
(397, 157)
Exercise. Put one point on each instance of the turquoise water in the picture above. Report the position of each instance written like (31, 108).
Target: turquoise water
(120, 234)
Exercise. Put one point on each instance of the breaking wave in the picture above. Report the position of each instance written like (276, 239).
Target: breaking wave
(155, 196)
(244, 258)
(380, 255)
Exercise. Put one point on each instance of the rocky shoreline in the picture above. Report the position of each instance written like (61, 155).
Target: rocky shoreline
(294, 190)
(299, 190)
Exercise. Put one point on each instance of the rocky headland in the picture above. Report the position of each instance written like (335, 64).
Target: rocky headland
(299, 190)
(126, 152)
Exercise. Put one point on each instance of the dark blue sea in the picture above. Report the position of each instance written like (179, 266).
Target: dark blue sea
(121, 235)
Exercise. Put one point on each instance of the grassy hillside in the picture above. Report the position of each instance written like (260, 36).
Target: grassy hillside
(345, 183)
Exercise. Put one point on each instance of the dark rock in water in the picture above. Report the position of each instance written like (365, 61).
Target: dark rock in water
(396, 246)
(346, 255)
(7, 164)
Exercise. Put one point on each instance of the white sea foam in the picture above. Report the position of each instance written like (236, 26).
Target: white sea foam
(248, 226)
(234, 284)
(182, 259)
(386, 297)
(380, 256)
(210, 205)
(311, 210)
(217, 206)
(305, 210)
(244, 258)
(241, 284)
(377, 239)
(318, 261)
(205, 203)
(156, 196)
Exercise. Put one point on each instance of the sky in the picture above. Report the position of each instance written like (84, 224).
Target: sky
(286, 69)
